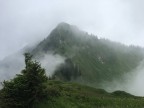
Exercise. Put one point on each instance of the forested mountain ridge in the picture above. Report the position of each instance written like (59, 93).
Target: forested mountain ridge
(89, 60)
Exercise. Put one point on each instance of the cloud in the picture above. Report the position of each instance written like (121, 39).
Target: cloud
(135, 81)
(50, 62)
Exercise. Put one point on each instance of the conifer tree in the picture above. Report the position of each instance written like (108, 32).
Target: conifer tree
(26, 88)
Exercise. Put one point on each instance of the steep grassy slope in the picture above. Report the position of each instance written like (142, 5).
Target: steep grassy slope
(71, 95)
(95, 60)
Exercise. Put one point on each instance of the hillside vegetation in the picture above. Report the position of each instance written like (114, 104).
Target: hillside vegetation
(71, 95)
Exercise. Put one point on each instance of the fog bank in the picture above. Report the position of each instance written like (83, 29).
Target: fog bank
(132, 82)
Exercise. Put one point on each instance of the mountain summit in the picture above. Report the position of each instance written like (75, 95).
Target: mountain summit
(63, 35)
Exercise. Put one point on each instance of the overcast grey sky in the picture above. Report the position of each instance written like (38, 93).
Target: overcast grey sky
(26, 21)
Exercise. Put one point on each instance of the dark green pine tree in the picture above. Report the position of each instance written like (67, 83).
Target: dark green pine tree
(26, 88)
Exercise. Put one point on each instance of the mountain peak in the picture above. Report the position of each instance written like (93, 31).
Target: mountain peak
(66, 26)
(63, 24)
